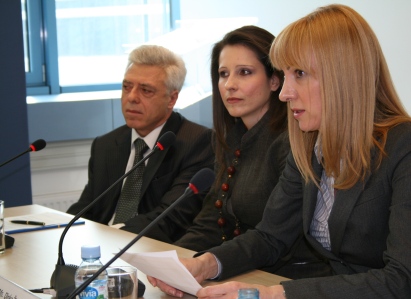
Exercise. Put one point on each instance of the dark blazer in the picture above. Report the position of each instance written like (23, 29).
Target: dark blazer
(166, 176)
(262, 160)
(370, 231)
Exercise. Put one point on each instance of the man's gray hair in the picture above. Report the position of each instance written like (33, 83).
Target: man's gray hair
(154, 55)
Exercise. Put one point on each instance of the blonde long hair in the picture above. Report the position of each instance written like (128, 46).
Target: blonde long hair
(359, 101)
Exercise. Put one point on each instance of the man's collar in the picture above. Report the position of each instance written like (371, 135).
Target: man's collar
(150, 139)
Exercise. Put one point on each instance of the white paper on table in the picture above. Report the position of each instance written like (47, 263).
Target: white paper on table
(165, 266)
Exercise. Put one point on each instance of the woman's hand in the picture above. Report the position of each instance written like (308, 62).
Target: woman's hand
(164, 287)
(202, 267)
(229, 290)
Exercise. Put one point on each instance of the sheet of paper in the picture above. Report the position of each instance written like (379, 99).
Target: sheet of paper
(165, 266)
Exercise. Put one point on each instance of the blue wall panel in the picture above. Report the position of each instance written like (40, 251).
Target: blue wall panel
(15, 182)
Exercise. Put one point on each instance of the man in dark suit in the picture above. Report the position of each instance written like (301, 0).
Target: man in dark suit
(153, 79)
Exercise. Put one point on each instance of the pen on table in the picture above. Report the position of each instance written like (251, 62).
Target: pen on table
(27, 222)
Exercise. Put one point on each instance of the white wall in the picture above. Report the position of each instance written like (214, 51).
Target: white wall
(390, 20)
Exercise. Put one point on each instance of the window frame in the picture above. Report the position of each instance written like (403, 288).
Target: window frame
(35, 76)
(43, 77)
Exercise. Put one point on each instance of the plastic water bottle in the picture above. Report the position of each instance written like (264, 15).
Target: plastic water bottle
(97, 289)
(248, 294)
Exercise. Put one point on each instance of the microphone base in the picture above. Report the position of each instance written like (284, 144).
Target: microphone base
(62, 280)
(141, 288)
(9, 240)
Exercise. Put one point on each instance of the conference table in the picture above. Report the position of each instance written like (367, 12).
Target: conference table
(32, 259)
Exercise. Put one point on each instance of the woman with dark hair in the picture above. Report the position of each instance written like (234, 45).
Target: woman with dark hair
(251, 142)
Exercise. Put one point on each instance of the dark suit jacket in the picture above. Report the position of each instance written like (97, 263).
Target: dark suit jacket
(370, 231)
(166, 176)
(262, 160)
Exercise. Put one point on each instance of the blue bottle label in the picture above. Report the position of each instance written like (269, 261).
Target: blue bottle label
(93, 293)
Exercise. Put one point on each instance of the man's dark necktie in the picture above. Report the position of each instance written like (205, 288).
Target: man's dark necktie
(131, 192)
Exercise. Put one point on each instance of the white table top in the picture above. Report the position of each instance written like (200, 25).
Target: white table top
(31, 261)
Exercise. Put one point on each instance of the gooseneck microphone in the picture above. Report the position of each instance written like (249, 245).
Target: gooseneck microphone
(201, 181)
(62, 279)
(36, 146)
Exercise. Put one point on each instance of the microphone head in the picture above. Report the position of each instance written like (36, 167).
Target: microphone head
(166, 140)
(202, 180)
(37, 145)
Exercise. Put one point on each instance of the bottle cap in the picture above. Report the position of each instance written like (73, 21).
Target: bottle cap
(90, 252)
(248, 293)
